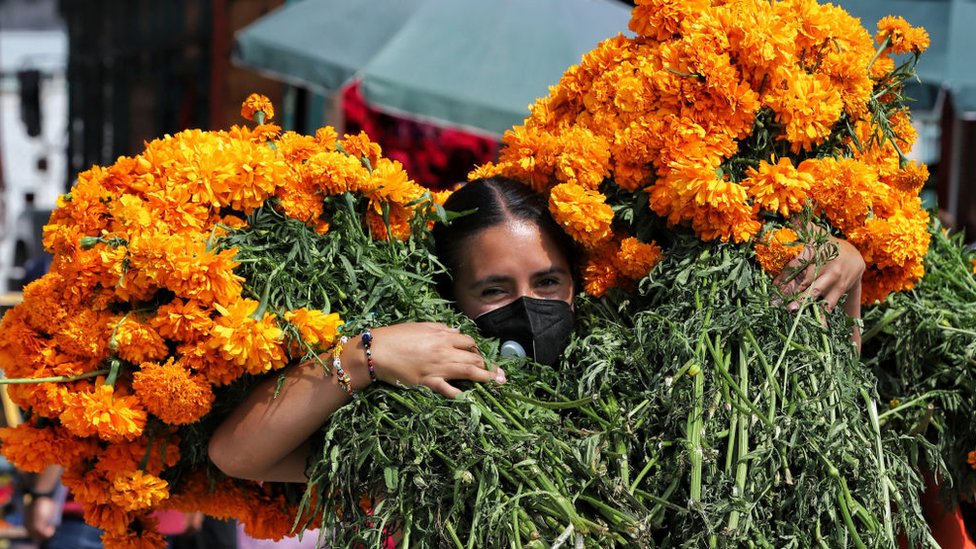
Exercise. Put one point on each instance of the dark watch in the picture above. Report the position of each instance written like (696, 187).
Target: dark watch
(34, 494)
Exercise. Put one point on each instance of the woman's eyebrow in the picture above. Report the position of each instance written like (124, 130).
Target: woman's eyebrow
(490, 279)
(551, 270)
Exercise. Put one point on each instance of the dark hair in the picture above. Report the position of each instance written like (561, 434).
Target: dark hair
(495, 201)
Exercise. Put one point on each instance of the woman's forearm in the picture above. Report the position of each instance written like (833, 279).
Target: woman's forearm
(266, 438)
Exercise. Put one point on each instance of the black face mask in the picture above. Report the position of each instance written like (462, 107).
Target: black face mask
(541, 327)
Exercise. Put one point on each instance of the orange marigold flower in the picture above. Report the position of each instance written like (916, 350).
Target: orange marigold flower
(101, 412)
(182, 320)
(808, 109)
(29, 448)
(297, 148)
(389, 182)
(144, 538)
(327, 137)
(172, 393)
(485, 171)
(300, 201)
(256, 103)
(137, 341)
(584, 214)
(635, 259)
(360, 147)
(971, 459)
(901, 37)
(662, 19)
(182, 263)
(399, 222)
(163, 452)
(334, 173)
(317, 328)
(776, 249)
(599, 272)
(269, 516)
(974, 265)
(911, 179)
(108, 517)
(779, 187)
(245, 341)
(138, 491)
(20, 344)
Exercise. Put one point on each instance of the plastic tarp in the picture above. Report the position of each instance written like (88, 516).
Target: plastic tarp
(470, 63)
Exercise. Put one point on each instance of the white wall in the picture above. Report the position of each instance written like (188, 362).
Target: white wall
(46, 51)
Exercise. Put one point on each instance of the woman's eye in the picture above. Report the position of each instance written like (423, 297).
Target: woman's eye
(491, 292)
(548, 282)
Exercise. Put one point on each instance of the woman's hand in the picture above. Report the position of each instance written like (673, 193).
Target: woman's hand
(830, 281)
(428, 353)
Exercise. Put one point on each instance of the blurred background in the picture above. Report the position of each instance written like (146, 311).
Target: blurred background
(435, 82)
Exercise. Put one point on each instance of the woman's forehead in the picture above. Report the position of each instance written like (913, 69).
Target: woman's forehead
(511, 246)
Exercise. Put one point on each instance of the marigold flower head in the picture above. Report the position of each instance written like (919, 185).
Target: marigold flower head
(361, 148)
(138, 491)
(778, 187)
(635, 259)
(971, 459)
(172, 393)
(776, 249)
(110, 518)
(254, 104)
(911, 178)
(104, 414)
(146, 537)
(246, 341)
(317, 329)
(600, 274)
(901, 37)
(137, 341)
(582, 213)
(399, 221)
(30, 448)
(182, 320)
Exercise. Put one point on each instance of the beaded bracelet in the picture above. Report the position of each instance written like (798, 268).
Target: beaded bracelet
(341, 376)
(367, 340)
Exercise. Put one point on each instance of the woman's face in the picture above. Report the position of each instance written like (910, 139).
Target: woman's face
(507, 261)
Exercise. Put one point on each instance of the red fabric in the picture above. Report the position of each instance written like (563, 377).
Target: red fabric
(434, 156)
(171, 522)
(947, 524)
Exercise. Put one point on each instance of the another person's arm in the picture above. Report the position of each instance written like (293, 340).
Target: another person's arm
(266, 438)
(830, 282)
(43, 511)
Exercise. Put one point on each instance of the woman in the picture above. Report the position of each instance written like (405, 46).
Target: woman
(513, 268)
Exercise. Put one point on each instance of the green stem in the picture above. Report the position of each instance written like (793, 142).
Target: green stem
(888, 318)
(55, 379)
(879, 455)
(742, 444)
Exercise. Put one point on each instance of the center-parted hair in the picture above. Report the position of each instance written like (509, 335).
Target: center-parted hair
(495, 200)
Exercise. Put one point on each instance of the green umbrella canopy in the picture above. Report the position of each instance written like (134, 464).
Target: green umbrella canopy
(471, 63)
(949, 61)
(320, 44)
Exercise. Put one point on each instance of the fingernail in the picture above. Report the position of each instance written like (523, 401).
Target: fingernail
(792, 307)
(500, 378)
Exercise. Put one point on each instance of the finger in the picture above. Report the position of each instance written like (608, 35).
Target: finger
(464, 356)
(800, 281)
(474, 373)
(461, 341)
(824, 286)
(440, 385)
(833, 296)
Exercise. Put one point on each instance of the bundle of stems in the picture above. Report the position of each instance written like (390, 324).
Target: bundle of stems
(690, 413)
(922, 344)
